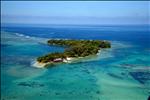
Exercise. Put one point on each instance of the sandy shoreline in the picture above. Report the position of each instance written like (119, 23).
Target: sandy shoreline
(39, 65)
(42, 65)
(67, 60)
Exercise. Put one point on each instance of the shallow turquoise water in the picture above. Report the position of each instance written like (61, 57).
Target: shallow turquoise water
(119, 73)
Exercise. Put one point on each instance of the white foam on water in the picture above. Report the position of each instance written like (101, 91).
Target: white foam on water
(37, 65)
(18, 38)
(18, 34)
(25, 36)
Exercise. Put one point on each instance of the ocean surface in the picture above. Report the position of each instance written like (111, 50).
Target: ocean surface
(119, 73)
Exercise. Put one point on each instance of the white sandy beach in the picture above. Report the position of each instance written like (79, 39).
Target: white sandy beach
(42, 65)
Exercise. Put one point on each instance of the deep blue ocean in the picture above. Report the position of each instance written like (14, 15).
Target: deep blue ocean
(119, 73)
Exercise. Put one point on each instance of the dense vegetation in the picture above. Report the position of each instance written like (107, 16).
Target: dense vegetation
(74, 48)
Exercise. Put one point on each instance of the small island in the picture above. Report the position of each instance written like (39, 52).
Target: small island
(73, 49)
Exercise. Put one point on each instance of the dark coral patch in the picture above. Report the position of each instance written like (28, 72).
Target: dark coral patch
(141, 77)
(115, 76)
(31, 84)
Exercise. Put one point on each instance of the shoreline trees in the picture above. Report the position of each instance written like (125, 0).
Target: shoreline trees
(74, 48)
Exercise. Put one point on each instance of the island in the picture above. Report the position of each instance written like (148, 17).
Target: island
(73, 49)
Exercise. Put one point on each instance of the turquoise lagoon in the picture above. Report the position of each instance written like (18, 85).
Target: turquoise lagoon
(119, 73)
